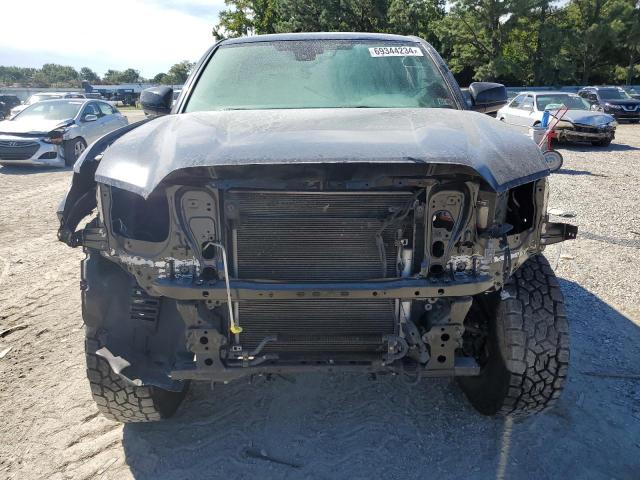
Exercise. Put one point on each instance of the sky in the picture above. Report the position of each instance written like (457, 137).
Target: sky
(147, 35)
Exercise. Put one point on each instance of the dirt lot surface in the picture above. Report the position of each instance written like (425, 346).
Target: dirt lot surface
(328, 426)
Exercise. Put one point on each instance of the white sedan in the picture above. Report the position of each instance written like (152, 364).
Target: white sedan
(56, 132)
(579, 123)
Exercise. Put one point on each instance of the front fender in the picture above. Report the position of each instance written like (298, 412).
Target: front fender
(80, 200)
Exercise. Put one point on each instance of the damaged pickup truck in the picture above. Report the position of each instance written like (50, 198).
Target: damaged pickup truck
(317, 201)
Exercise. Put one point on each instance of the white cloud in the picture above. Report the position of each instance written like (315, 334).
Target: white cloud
(142, 34)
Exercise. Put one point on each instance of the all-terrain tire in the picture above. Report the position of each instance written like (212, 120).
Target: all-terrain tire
(122, 402)
(527, 346)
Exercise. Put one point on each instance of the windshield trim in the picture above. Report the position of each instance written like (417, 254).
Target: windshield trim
(430, 53)
(311, 36)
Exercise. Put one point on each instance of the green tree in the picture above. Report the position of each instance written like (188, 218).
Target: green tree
(630, 40)
(416, 17)
(237, 20)
(52, 74)
(473, 35)
(125, 76)
(595, 26)
(247, 17)
(160, 78)
(89, 75)
(179, 72)
(16, 75)
(534, 49)
(332, 15)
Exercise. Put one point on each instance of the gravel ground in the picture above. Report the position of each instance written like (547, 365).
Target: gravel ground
(329, 425)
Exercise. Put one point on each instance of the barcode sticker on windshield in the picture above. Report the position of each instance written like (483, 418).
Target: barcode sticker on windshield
(395, 52)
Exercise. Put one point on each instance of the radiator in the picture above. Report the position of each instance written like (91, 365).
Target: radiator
(315, 237)
(317, 325)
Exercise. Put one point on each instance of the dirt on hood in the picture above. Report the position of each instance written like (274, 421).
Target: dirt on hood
(142, 158)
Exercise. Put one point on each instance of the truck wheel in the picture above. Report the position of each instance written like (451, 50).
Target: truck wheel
(602, 143)
(122, 402)
(525, 354)
(72, 150)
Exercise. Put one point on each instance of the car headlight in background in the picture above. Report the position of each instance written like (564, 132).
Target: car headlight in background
(614, 107)
(55, 137)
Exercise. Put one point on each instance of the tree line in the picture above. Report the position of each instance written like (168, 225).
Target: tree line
(59, 76)
(516, 42)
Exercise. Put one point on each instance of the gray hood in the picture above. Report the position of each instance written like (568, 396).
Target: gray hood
(35, 126)
(140, 159)
(586, 117)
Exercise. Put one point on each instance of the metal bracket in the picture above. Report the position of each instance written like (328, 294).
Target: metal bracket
(443, 341)
(557, 232)
(94, 238)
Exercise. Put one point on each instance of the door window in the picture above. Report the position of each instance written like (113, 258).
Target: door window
(91, 109)
(527, 103)
(106, 109)
(515, 103)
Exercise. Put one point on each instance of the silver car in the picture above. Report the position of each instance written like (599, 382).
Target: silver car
(56, 132)
(580, 123)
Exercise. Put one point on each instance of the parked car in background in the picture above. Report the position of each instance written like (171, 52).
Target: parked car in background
(38, 97)
(56, 132)
(7, 102)
(579, 123)
(613, 100)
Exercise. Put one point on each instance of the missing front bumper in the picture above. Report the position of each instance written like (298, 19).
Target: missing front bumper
(255, 290)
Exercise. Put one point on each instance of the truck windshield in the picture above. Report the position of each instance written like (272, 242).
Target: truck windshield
(320, 74)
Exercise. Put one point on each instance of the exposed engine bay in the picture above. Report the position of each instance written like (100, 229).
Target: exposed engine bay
(289, 267)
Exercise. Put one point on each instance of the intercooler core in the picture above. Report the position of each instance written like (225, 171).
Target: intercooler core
(317, 237)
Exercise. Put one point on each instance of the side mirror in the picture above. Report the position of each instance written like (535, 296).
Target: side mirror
(90, 118)
(157, 101)
(487, 97)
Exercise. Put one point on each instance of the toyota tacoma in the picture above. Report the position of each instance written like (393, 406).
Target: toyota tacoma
(317, 201)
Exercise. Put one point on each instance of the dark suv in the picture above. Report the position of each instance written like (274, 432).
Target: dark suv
(614, 101)
(7, 102)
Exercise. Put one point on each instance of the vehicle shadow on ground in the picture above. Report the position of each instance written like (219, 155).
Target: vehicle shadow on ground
(568, 171)
(30, 170)
(585, 147)
(347, 426)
